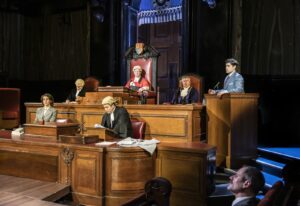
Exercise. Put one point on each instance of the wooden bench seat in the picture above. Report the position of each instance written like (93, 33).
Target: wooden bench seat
(16, 190)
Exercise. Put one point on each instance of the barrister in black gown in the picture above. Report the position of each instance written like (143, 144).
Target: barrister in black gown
(116, 118)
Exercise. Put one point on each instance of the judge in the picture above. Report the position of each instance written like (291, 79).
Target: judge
(186, 94)
(116, 118)
(138, 83)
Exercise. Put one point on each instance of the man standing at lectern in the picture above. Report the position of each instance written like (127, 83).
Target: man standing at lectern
(233, 83)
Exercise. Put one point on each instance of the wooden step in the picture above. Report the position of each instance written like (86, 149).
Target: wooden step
(270, 179)
(24, 189)
(270, 166)
(281, 154)
(10, 199)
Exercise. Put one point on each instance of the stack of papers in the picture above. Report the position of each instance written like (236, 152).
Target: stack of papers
(148, 145)
(128, 141)
(98, 126)
(104, 143)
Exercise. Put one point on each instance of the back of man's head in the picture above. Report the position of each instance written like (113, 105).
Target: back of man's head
(256, 178)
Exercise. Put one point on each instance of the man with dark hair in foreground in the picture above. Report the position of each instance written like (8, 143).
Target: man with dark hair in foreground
(245, 185)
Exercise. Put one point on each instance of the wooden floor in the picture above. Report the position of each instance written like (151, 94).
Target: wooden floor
(23, 191)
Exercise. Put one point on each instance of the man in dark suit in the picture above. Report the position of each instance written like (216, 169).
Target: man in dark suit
(245, 185)
(116, 118)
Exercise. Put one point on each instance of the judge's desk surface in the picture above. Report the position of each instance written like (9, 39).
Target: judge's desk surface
(167, 123)
(112, 175)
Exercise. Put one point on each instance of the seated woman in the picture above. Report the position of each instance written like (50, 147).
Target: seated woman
(186, 94)
(138, 83)
(77, 93)
(47, 113)
(116, 118)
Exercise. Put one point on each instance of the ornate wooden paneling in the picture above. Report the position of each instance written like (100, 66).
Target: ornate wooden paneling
(30, 165)
(91, 118)
(232, 127)
(127, 171)
(188, 172)
(87, 176)
(32, 162)
(110, 175)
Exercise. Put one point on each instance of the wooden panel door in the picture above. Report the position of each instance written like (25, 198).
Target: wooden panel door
(166, 38)
(87, 182)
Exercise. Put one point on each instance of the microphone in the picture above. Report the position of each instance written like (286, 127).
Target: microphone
(216, 86)
(144, 97)
(157, 95)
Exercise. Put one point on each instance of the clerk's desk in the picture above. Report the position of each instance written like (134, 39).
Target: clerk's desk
(168, 123)
(112, 175)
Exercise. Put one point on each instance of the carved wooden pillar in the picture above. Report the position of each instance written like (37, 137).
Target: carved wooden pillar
(67, 156)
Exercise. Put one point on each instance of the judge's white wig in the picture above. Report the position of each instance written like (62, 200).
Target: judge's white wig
(109, 100)
(79, 82)
(137, 67)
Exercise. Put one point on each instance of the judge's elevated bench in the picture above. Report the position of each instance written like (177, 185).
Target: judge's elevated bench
(231, 123)
(168, 123)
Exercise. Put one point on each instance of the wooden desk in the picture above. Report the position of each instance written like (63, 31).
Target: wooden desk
(102, 133)
(190, 168)
(168, 123)
(51, 131)
(123, 93)
(109, 90)
(111, 175)
(97, 97)
(232, 127)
